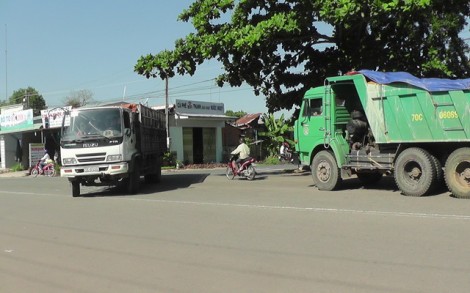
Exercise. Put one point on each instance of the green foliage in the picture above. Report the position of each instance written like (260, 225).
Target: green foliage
(276, 132)
(238, 114)
(17, 167)
(281, 48)
(31, 98)
(271, 160)
(169, 159)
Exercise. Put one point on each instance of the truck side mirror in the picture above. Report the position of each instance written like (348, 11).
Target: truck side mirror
(127, 131)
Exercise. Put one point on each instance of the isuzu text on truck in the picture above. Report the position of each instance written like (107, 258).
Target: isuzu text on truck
(113, 145)
(370, 123)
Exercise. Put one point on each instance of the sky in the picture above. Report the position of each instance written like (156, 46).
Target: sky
(61, 46)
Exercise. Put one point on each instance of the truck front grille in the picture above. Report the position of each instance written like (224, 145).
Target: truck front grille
(91, 158)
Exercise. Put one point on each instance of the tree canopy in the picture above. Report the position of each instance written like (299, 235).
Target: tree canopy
(238, 114)
(31, 98)
(280, 48)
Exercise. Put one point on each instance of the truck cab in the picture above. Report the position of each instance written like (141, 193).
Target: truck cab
(112, 145)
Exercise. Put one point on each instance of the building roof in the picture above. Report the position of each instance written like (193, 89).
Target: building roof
(247, 121)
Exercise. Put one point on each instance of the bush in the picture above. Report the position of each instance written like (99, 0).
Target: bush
(169, 159)
(271, 160)
(17, 167)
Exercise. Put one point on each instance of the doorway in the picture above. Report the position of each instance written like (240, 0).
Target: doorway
(198, 146)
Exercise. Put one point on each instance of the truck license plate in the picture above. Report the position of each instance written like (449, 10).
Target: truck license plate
(91, 169)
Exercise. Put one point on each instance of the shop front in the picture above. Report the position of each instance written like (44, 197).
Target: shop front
(195, 131)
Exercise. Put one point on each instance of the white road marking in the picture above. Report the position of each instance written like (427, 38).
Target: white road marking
(274, 207)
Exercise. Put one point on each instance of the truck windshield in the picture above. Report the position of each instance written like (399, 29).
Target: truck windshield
(92, 123)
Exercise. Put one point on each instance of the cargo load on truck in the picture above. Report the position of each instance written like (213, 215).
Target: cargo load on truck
(369, 124)
(113, 145)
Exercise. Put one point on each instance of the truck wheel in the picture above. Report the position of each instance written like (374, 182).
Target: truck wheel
(439, 182)
(369, 178)
(75, 188)
(134, 181)
(457, 173)
(415, 172)
(325, 171)
(156, 176)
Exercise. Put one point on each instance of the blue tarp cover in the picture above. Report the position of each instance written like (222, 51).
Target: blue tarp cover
(429, 84)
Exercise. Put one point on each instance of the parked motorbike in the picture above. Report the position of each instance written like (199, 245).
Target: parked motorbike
(47, 170)
(246, 169)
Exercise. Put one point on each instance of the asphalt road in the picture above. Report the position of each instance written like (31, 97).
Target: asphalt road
(199, 232)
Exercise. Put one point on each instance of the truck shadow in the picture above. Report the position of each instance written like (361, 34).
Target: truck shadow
(387, 183)
(169, 182)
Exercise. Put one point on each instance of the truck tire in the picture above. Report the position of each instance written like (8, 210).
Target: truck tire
(325, 171)
(75, 188)
(457, 173)
(415, 172)
(156, 175)
(134, 181)
(439, 182)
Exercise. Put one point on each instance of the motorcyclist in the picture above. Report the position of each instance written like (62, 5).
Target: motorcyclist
(44, 160)
(285, 151)
(243, 152)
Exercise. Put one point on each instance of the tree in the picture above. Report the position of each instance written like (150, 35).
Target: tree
(277, 131)
(79, 98)
(29, 97)
(238, 114)
(279, 49)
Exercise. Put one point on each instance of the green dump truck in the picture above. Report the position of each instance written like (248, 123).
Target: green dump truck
(369, 123)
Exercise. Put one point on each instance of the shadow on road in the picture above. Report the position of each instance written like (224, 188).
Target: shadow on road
(387, 183)
(169, 182)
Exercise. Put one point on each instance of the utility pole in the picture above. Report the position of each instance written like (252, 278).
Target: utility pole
(6, 64)
(167, 114)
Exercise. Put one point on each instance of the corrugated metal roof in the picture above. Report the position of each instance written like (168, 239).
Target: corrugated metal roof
(246, 120)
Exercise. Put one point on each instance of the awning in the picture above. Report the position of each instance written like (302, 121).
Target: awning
(34, 127)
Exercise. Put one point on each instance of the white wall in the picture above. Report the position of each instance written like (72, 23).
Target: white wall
(8, 150)
(176, 134)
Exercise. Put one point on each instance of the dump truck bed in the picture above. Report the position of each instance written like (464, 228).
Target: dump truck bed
(401, 112)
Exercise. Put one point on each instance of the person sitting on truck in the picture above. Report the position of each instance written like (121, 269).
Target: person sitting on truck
(243, 152)
(357, 129)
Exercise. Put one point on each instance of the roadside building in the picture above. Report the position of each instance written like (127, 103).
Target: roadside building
(195, 131)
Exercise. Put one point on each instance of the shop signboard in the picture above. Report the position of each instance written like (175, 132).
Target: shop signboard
(18, 120)
(36, 152)
(196, 107)
(52, 118)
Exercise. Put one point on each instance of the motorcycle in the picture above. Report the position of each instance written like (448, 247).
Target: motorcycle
(245, 170)
(285, 153)
(47, 170)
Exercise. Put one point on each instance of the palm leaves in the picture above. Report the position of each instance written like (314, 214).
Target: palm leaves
(277, 131)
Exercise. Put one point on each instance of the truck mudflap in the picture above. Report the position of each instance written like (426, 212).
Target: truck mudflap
(94, 170)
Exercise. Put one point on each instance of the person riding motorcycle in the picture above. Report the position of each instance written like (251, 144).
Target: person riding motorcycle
(44, 160)
(285, 151)
(243, 152)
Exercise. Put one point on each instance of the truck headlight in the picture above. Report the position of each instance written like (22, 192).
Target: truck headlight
(114, 158)
(69, 161)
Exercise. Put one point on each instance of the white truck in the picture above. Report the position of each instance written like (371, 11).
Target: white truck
(113, 145)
